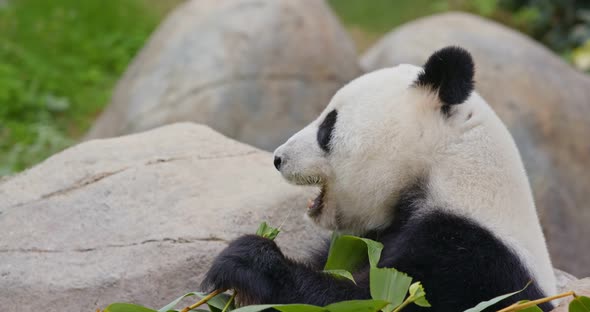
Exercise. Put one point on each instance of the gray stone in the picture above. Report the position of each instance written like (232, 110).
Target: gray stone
(580, 286)
(562, 280)
(137, 218)
(544, 102)
(254, 70)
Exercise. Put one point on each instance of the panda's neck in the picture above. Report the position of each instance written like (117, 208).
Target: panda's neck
(484, 179)
(490, 195)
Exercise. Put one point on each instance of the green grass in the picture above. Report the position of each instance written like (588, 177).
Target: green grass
(380, 16)
(367, 21)
(59, 61)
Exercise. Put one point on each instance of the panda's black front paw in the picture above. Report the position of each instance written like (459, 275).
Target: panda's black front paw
(251, 265)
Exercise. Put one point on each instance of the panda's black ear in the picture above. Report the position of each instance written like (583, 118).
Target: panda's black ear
(449, 72)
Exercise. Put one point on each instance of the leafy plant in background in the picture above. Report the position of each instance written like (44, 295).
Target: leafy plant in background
(391, 290)
(59, 60)
(562, 25)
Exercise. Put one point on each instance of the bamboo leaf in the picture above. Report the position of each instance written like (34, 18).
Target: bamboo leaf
(341, 274)
(374, 250)
(357, 306)
(529, 309)
(267, 231)
(217, 303)
(390, 285)
(172, 304)
(350, 252)
(126, 307)
(418, 295)
(484, 304)
(580, 304)
(346, 253)
(344, 306)
(281, 307)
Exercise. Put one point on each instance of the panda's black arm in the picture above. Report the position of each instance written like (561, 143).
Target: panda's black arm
(257, 269)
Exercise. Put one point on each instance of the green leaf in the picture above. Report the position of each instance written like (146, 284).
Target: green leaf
(267, 231)
(350, 252)
(344, 306)
(484, 304)
(217, 303)
(341, 274)
(580, 304)
(418, 295)
(529, 309)
(172, 304)
(127, 307)
(346, 253)
(370, 305)
(281, 307)
(374, 250)
(389, 284)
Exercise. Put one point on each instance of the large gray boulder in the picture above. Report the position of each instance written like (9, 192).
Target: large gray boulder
(254, 70)
(580, 286)
(567, 282)
(544, 102)
(137, 218)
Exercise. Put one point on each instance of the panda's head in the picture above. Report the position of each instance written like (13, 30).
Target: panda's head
(379, 135)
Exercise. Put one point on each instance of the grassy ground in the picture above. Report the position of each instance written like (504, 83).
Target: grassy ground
(59, 61)
(367, 23)
(368, 20)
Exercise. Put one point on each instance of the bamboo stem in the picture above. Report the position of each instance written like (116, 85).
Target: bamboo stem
(229, 301)
(517, 307)
(403, 305)
(204, 300)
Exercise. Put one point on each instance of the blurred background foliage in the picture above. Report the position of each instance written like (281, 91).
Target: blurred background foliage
(60, 59)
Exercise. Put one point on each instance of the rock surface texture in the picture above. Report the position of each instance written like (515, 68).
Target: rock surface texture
(544, 102)
(254, 70)
(580, 286)
(137, 218)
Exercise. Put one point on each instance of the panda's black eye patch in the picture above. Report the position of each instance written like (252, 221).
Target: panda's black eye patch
(325, 131)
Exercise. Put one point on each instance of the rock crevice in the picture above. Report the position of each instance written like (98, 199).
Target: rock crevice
(179, 240)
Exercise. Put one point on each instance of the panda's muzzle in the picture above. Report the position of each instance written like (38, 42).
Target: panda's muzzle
(303, 170)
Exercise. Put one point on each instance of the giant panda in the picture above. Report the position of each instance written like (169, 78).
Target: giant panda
(414, 158)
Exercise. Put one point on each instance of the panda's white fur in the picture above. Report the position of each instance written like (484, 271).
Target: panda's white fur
(389, 133)
(413, 158)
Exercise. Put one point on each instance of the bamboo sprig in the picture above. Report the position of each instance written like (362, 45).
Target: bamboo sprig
(204, 300)
(229, 301)
(528, 304)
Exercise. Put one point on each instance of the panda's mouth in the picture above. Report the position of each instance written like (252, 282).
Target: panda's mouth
(315, 206)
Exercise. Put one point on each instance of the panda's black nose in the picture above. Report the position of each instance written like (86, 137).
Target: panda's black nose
(278, 162)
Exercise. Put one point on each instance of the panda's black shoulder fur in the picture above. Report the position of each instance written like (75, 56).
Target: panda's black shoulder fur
(449, 72)
(459, 263)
